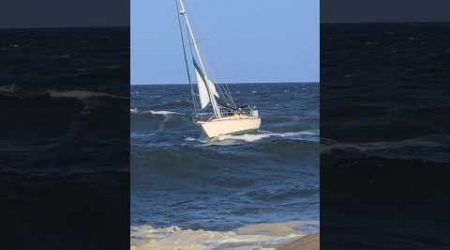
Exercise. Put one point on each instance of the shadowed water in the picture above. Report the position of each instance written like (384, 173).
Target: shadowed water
(385, 136)
(64, 141)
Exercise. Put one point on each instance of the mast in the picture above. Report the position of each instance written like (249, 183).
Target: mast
(216, 108)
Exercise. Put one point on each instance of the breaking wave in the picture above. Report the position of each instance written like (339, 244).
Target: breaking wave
(265, 236)
(308, 135)
(237, 139)
(432, 148)
(8, 89)
(80, 94)
(157, 120)
(153, 112)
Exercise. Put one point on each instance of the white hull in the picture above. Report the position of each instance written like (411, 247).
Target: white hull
(229, 125)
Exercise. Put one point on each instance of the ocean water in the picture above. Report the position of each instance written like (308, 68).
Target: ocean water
(189, 189)
(64, 141)
(385, 139)
(65, 94)
(387, 87)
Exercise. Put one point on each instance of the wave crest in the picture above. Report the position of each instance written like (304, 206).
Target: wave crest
(153, 112)
(264, 236)
(308, 135)
(79, 94)
(8, 89)
(431, 148)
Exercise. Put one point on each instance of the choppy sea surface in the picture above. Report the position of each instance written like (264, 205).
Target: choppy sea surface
(64, 141)
(386, 90)
(64, 92)
(384, 135)
(234, 192)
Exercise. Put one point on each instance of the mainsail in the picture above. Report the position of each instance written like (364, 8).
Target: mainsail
(226, 117)
(207, 91)
(204, 86)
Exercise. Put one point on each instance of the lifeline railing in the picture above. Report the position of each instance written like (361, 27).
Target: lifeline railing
(207, 116)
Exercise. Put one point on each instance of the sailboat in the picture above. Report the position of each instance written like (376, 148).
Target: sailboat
(226, 117)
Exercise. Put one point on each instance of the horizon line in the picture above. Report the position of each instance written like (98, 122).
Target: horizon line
(266, 82)
(129, 25)
(384, 22)
(66, 27)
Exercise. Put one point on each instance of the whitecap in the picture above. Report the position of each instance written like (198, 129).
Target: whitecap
(190, 139)
(161, 112)
(154, 112)
(307, 135)
(10, 89)
(79, 94)
(426, 141)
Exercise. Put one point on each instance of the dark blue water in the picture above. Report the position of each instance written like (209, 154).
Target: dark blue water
(181, 178)
(398, 112)
(64, 141)
(386, 140)
(65, 93)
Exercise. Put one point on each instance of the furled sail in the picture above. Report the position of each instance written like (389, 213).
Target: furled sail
(204, 86)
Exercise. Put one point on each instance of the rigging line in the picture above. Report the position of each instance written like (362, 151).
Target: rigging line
(185, 56)
(220, 88)
(215, 107)
(228, 92)
(192, 90)
(224, 91)
(223, 87)
(193, 59)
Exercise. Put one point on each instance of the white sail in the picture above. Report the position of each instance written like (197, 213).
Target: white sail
(203, 89)
(212, 87)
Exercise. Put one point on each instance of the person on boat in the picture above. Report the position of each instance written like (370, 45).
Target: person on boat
(254, 111)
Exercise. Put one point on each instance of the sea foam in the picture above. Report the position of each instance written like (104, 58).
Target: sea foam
(265, 236)
(308, 135)
(154, 112)
(79, 94)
